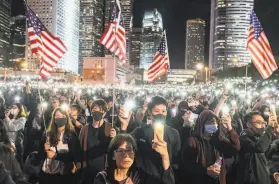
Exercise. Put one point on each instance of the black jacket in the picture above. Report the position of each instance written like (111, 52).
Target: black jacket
(148, 159)
(5, 177)
(252, 162)
(74, 154)
(138, 177)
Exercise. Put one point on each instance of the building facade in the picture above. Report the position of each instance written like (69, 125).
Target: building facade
(91, 29)
(5, 16)
(195, 40)
(152, 26)
(18, 37)
(127, 16)
(176, 76)
(135, 47)
(101, 70)
(230, 21)
(61, 18)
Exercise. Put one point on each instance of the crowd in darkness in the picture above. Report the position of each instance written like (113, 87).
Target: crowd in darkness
(75, 137)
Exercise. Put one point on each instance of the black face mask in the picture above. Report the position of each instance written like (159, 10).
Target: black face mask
(160, 118)
(59, 122)
(258, 131)
(97, 116)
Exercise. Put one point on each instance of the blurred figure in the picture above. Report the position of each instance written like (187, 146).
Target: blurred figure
(60, 150)
(5, 177)
(77, 120)
(15, 122)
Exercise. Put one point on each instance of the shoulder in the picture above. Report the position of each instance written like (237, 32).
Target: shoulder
(101, 178)
(173, 132)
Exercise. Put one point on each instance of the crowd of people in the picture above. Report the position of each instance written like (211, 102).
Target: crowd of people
(220, 133)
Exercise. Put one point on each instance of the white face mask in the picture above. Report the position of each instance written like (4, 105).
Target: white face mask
(14, 111)
(266, 113)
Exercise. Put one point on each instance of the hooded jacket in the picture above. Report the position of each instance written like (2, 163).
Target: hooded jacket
(193, 153)
(252, 162)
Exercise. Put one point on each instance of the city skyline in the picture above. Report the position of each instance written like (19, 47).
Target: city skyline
(175, 17)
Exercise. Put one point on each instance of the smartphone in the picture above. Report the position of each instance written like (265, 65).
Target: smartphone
(158, 131)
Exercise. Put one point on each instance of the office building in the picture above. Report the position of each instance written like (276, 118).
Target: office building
(179, 76)
(135, 47)
(152, 25)
(61, 18)
(18, 37)
(5, 16)
(195, 40)
(230, 20)
(127, 17)
(90, 30)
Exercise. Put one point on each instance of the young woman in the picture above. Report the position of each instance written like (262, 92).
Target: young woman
(60, 150)
(201, 152)
(15, 122)
(122, 168)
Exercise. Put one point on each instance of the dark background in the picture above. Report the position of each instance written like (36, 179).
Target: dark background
(177, 12)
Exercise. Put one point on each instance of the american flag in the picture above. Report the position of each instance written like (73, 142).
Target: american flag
(43, 44)
(114, 38)
(160, 62)
(260, 49)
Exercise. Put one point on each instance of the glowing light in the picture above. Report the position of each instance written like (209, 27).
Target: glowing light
(233, 102)
(65, 107)
(17, 98)
(225, 109)
(44, 105)
(148, 99)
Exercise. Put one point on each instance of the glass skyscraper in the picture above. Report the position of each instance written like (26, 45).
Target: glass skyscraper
(5, 15)
(195, 39)
(230, 21)
(91, 29)
(61, 18)
(135, 47)
(152, 25)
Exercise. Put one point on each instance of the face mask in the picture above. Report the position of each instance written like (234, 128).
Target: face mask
(210, 128)
(97, 116)
(159, 118)
(14, 112)
(149, 121)
(266, 114)
(258, 131)
(59, 122)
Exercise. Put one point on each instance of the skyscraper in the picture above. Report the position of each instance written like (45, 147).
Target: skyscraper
(195, 40)
(61, 18)
(91, 29)
(5, 12)
(152, 25)
(230, 20)
(127, 15)
(135, 46)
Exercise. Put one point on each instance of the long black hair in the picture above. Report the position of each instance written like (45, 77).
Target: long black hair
(52, 129)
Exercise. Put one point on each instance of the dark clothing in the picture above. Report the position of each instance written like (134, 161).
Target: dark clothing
(252, 162)
(148, 159)
(140, 177)
(94, 139)
(5, 177)
(57, 179)
(197, 154)
(73, 156)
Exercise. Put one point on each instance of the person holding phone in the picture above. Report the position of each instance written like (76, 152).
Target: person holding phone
(148, 156)
(203, 149)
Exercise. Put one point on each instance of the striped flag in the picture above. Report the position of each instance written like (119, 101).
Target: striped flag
(260, 49)
(43, 44)
(160, 64)
(114, 38)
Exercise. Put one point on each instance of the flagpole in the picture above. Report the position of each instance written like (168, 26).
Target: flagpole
(246, 75)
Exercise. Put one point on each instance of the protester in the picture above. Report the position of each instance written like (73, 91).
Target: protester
(149, 158)
(122, 167)
(77, 120)
(255, 141)
(273, 162)
(5, 177)
(203, 150)
(60, 150)
(94, 139)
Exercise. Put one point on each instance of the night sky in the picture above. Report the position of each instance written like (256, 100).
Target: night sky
(177, 12)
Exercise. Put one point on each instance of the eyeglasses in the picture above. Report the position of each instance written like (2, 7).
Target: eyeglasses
(123, 152)
(261, 123)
